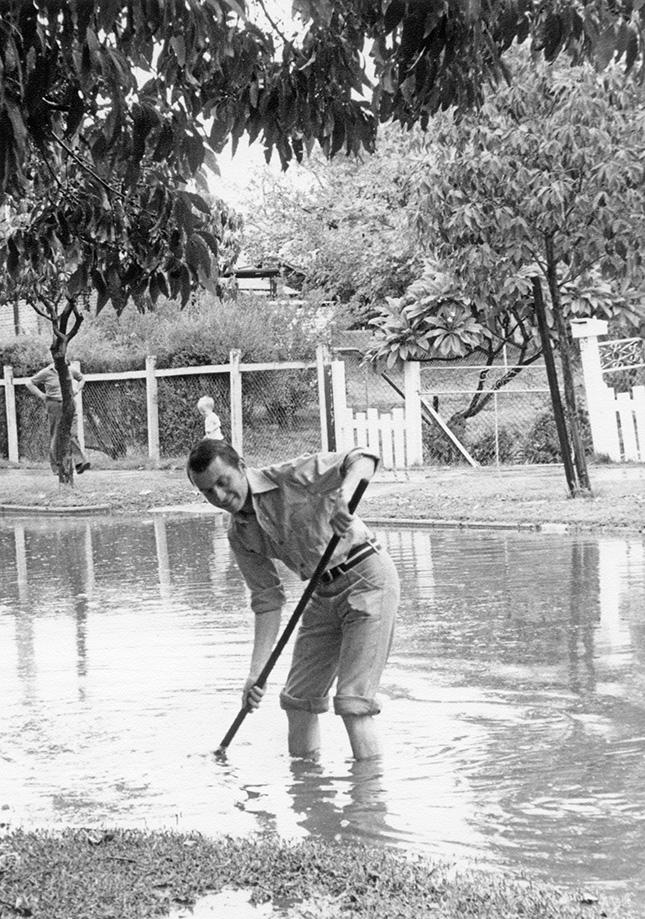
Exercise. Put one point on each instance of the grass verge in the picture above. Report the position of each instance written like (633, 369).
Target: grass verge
(124, 874)
(529, 495)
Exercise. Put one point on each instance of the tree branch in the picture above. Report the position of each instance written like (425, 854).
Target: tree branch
(37, 309)
(81, 162)
(273, 24)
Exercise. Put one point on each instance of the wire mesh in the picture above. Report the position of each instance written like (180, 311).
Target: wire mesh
(512, 424)
(367, 387)
(32, 424)
(507, 425)
(280, 414)
(114, 417)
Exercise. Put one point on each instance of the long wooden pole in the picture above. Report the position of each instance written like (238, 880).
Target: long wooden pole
(291, 624)
(552, 377)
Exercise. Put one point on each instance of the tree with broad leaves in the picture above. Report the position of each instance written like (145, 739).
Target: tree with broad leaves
(116, 104)
(81, 237)
(546, 185)
(344, 223)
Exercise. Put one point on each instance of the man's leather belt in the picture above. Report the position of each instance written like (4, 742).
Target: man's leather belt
(355, 555)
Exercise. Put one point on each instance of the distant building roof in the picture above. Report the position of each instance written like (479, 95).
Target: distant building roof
(269, 269)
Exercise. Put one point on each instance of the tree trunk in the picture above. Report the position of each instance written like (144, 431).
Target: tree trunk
(552, 377)
(567, 373)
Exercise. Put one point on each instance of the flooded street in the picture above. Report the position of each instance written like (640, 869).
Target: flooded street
(513, 704)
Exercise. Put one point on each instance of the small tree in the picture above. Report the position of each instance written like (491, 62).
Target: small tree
(81, 237)
(344, 223)
(543, 190)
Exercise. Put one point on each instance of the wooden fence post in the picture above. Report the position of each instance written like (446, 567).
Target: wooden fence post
(152, 408)
(325, 398)
(237, 431)
(344, 439)
(78, 400)
(412, 387)
(10, 412)
(599, 397)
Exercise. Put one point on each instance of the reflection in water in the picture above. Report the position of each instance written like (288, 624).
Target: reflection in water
(582, 589)
(513, 702)
(353, 801)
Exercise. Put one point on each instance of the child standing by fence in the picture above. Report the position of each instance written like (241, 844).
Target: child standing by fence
(212, 424)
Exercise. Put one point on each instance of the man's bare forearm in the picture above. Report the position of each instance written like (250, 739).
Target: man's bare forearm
(266, 631)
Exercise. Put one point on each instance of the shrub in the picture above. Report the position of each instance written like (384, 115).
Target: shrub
(202, 333)
(436, 446)
(26, 354)
(505, 448)
(542, 444)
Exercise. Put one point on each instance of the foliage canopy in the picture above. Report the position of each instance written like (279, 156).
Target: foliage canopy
(547, 180)
(108, 108)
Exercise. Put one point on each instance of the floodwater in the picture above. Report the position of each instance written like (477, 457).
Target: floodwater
(514, 700)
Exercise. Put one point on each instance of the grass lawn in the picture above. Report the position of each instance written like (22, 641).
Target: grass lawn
(527, 495)
(123, 874)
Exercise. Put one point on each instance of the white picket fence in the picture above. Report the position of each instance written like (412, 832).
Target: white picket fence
(630, 415)
(395, 435)
(617, 419)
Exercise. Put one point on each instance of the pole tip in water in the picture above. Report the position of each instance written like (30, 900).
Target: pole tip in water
(220, 754)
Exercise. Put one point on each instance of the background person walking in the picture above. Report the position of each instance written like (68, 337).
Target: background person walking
(47, 378)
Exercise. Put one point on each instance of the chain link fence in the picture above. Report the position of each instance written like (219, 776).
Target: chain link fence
(281, 414)
(501, 414)
(114, 417)
(510, 425)
(33, 426)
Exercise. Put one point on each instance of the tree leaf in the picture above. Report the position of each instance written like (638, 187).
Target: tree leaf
(198, 254)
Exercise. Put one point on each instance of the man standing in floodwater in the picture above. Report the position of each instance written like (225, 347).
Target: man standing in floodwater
(289, 512)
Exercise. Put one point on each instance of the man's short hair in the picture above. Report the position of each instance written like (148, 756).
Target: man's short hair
(204, 452)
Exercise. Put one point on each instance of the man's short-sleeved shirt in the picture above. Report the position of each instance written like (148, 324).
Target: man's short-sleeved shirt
(293, 502)
(48, 378)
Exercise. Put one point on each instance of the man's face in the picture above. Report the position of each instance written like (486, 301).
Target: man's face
(223, 485)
